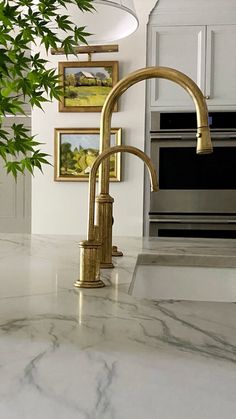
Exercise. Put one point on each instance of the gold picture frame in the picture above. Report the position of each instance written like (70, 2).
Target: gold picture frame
(86, 84)
(75, 149)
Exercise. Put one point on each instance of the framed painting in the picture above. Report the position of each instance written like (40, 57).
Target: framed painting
(77, 148)
(86, 84)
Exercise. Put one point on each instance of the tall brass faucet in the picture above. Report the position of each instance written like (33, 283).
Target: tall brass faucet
(204, 144)
(90, 249)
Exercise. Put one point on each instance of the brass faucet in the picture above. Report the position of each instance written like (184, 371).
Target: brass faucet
(90, 249)
(104, 200)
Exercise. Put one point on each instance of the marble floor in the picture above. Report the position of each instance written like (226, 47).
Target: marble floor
(105, 354)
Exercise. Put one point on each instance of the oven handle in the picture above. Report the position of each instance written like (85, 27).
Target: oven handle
(171, 137)
(192, 221)
(186, 137)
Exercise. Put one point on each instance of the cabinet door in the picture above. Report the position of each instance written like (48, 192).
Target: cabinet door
(182, 48)
(14, 207)
(14, 195)
(221, 65)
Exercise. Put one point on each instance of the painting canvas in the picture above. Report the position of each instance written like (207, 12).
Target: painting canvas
(76, 150)
(86, 84)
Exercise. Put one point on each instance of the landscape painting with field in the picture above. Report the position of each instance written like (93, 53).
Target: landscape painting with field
(86, 84)
(76, 150)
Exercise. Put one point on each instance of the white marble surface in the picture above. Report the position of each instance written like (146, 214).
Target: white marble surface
(102, 354)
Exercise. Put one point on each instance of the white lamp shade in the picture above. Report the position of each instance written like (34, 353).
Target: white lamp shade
(110, 21)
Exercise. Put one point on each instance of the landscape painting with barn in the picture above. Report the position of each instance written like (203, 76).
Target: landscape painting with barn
(86, 84)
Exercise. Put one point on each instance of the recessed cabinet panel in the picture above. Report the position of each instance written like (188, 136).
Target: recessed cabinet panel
(8, 194)
(182, 48)
(14, 207)
(14, 195)
(221, 65)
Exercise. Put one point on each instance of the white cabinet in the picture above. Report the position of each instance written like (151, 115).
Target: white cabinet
(205, 53)
(15, 196)
(15, 202)
(182, 48)
(221, 65)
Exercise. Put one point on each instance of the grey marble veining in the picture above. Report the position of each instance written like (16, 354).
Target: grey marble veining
(103, 354)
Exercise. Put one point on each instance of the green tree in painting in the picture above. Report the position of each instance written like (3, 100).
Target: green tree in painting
(66, 157)
(109, 70)
(25, 76)
(70, 80)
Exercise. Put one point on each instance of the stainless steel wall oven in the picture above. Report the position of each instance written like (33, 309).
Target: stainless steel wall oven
(197, 196)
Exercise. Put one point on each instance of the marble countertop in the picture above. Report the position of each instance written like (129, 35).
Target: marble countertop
(102, 354)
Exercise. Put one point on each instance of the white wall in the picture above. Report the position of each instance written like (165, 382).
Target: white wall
(61, 207)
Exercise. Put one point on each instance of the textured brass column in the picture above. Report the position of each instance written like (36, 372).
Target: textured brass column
(104, 203)
(89, 265)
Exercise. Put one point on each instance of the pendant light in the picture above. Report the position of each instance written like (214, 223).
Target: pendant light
(110, 21)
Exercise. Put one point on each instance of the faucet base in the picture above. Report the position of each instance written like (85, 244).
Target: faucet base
(89, 284)
(116, 252)
(104, 265)
(89, 276)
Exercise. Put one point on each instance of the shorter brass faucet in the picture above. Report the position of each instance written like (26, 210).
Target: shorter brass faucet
(90, 249)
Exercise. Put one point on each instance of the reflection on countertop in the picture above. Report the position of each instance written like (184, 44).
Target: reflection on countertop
(104, 354)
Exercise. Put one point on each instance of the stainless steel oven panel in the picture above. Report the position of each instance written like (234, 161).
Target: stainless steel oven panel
(156, 227)
(191, 201)
(198, 201)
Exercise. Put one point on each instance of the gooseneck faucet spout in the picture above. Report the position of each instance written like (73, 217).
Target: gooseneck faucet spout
(92, 179)
(90, 249)
(204, 144)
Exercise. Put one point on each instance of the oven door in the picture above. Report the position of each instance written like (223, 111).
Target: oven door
(192, 184)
